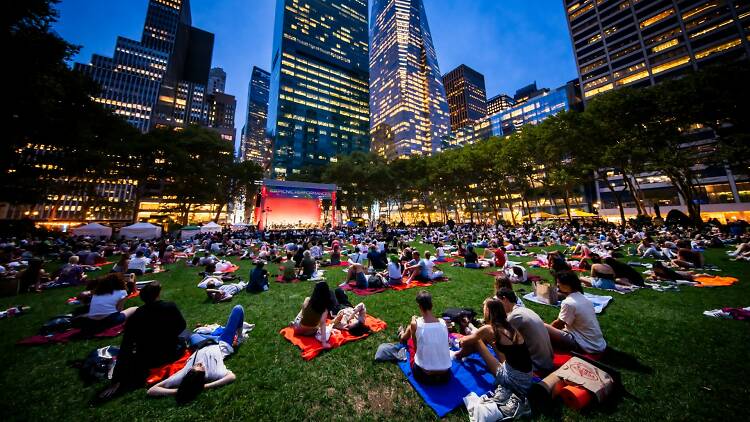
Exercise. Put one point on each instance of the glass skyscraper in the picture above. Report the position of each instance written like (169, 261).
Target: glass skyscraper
(409, 110)
(318, 103)
(255, 144)
(162, 78)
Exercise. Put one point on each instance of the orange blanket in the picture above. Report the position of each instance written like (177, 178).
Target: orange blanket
(156, 375)
(231, 269)
(715, 281)
(411, 285)
(312, 347)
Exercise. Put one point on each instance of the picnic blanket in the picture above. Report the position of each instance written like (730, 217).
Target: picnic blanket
(599, 302)
(68, 335)
(280, 279)
(156, 375)
(529, 279)
(715, 281)
(352, 287)
(411, 285)
(469, 375)
(231, 269)
(312, 347)
(101, 264)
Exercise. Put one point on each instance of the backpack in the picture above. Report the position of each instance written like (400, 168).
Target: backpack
(375, 281)
(99, 364)
(57, 325)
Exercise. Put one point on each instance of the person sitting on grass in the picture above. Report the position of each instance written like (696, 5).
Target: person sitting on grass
(427, 271)
(531, 327)
(393, 274)
(689, 259)
(504, 282)
(471, 260)
(107, 304)
(309, 266)
(31, 279)
(150, 340)
(432, 361)
(311, 319)
(576, 327)
(513, 365)
(225, 292)
(122, 264)
(205, 369)
(258, 279)
(500, 258)
(440, 255)
(602, 277)
(71, 274)
(137, 264)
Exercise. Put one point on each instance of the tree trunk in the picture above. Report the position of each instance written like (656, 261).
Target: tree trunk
(218, 213)
(566, 201)
(634, 192)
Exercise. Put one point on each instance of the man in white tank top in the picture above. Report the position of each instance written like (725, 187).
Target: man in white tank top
(432, 360)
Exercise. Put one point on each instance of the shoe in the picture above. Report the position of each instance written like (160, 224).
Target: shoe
(515, 408)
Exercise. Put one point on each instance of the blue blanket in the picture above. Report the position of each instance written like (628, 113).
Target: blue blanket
(471, 375)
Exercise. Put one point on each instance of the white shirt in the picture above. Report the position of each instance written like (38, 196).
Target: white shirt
(440, 252)
(138, 263)
(580, 320)
(394, 271)
(103, 305)
(212, 358)
(433, 352)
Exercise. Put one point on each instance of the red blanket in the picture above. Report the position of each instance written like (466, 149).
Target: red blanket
(231, 269)
(156, 375)
(352, 287)
(280, 279)
(101, 264)
(68, 335)
(312, 347)
(561, 358)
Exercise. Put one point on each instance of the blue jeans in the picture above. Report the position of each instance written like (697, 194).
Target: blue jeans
(471, 265)
(226, 333)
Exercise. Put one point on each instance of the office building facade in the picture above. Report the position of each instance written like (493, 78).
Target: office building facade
(409, 111)
(466, 95)
(160, 79)
(639, 43)
(217, 80)
(318, 101)
(221, 109)
(256, 145)
(499, 103)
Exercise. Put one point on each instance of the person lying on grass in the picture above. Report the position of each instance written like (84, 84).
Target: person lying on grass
(576, 327)
(225, 292)
(311, 319)
(205, 369)
(662, 272)
(432, 360)
(150, 340)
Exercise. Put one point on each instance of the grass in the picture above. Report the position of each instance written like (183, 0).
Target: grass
(698, 365)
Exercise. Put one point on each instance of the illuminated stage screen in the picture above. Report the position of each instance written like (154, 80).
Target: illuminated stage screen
(293, 211)
(294, 204)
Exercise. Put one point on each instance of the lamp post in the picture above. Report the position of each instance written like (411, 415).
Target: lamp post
(266, 210)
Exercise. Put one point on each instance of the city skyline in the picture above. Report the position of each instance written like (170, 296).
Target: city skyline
(532, 42)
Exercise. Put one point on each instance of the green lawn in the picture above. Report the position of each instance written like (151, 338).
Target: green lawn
(699, 365)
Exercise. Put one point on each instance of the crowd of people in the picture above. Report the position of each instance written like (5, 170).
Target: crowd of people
(522, 342)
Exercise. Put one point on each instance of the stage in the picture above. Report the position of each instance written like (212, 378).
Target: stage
(285, 204)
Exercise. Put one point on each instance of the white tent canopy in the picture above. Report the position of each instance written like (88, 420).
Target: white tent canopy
(144, 231)
(239, 226)
(210, 227)
(93, 230)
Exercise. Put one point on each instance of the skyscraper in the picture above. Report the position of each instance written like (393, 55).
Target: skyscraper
(162, 78)
(639, 43)
(217, 80)
(409, 111)
(499, 103)
(467, 98)
(318, 103)
(255, 144)
(221, 108)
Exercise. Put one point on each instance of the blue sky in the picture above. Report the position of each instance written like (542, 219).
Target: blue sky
(512, 42)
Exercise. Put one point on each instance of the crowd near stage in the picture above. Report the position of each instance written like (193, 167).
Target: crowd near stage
(284, 204)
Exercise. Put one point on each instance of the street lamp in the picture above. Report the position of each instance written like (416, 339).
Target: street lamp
(267, 211)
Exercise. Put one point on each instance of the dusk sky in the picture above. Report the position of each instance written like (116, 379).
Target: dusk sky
(512, 42)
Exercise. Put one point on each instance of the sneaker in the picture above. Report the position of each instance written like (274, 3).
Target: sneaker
(515, 408)
(501, 395)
